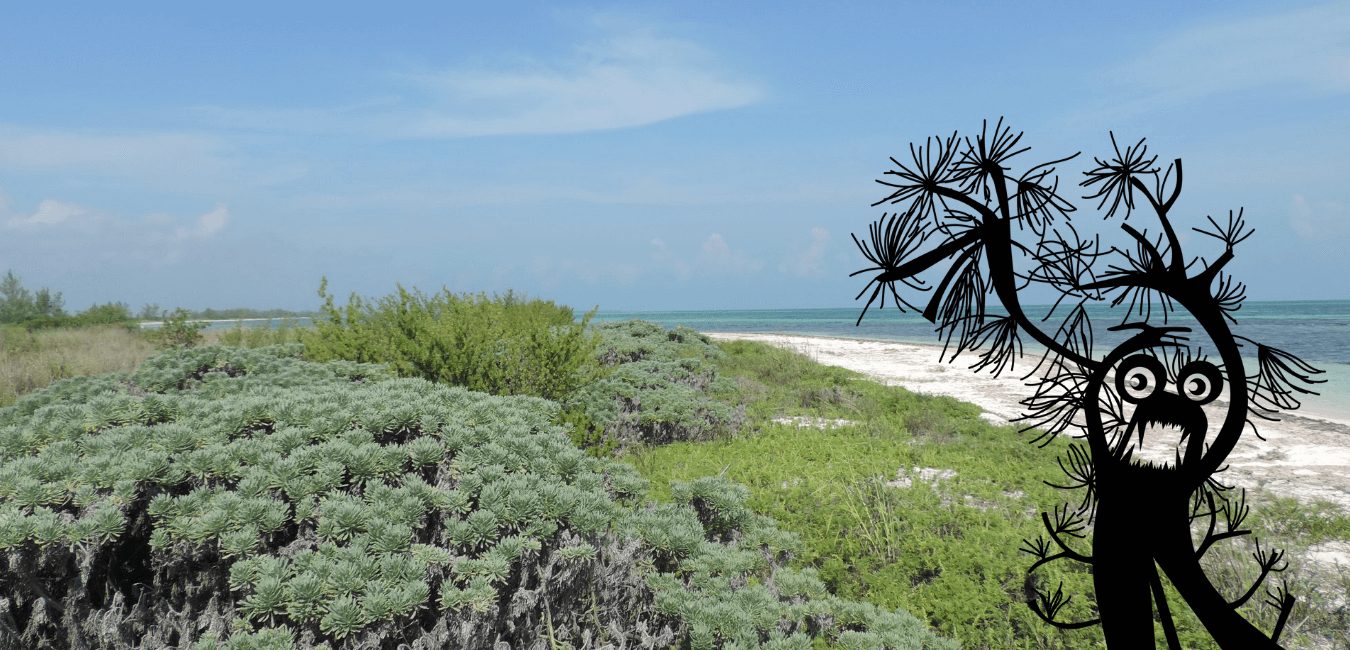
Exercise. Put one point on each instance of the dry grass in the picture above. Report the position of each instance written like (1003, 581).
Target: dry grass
(32, 360)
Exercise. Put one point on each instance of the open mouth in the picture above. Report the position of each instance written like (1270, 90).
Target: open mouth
(1157, 440)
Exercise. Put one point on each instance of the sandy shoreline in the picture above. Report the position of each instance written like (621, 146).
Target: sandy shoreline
(1305, 455)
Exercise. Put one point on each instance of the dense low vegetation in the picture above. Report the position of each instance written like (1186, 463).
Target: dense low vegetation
(284, 331)
(657, 386)
(915, 502)
(504, 345)
(251, 498)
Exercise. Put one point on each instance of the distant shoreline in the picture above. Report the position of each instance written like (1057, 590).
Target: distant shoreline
(157, 323)
(1306, 454)
(1032, 353)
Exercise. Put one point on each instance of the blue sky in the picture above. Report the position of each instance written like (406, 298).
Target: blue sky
(630, 156)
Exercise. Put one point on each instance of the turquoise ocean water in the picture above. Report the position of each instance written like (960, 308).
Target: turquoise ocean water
(1317, 331)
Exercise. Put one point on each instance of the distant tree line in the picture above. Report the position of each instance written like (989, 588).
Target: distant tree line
(46, 308)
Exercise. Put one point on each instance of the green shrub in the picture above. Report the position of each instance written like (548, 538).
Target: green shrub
(112, 313)
(176, 330)
(45, 308)
(504, 344)
(662, 386)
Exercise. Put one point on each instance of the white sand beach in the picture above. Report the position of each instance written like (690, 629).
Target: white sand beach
(1305, 455)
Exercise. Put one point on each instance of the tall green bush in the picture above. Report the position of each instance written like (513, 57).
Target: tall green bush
(502, 344)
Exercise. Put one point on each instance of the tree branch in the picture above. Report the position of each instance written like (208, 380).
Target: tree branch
(1051, 558)
(1144, 243)
(1076, 625)
(1054, 535)
(1285, 601)
(1210, 539)
(1172, 242)
(923, 262)
(1176, 189)
(1267, 563)
(1007, 295)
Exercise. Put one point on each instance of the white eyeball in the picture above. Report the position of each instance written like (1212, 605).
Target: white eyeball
(1140, 383)
(1197, 387)
(1139, 377)
(1200, 382)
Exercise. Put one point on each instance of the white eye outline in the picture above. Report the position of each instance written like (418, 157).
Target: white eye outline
(1190, 382)
(1137, 369)
(1140, 383)
(1209, 376)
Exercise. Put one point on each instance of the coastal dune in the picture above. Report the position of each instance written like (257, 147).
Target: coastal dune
(1305, 455)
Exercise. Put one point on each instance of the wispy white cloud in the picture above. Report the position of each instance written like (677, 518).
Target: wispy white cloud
(1300, 52)
(808, 261)
(178, 161)
(631, 75)
(60, 230)
(552, 274)
(1318, 221)
(620, 81)
(663, 257)
(48, 213)
(206, 225)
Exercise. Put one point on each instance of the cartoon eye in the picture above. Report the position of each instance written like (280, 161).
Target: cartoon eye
(1139, 377)
(1200, 382)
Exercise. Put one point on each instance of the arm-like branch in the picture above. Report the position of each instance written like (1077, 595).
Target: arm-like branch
(1065, 524)
(1268, 562)
(1155, 261)
(1283, 600)
(1234, 515)
(1040, 549)
(1164, 613)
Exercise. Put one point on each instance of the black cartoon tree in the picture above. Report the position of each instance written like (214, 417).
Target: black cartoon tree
(970, 234)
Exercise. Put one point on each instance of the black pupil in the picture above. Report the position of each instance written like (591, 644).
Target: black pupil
(1138, 381)
(1197, 386)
